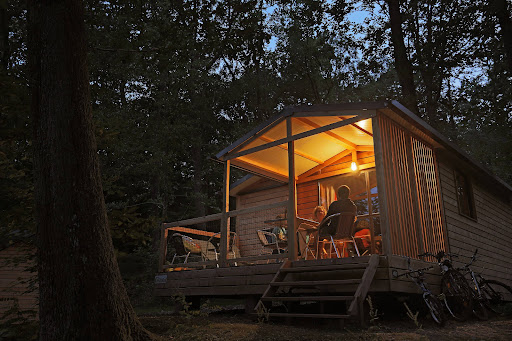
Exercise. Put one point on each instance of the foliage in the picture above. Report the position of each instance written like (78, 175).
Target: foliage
(173, 83)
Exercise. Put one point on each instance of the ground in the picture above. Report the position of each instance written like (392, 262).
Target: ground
(232, 324)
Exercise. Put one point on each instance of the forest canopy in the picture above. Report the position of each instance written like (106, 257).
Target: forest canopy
(174, 82)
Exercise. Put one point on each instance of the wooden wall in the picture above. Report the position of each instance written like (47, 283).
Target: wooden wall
(491, 232)
(14, 277)
(412, 188)
(248, 224)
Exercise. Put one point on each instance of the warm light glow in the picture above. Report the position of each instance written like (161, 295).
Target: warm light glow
(363, 124)
(353, 166)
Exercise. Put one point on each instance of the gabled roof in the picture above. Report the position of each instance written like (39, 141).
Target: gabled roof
(345, 123)
(328, 109)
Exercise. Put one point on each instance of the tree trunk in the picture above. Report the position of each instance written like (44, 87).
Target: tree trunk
(4, 36)
(501, 9)
(197, 159)
(402, 64)
(81, 292)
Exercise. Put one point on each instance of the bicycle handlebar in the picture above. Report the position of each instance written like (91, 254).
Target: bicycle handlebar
(440, 255)
(473, 258)
(412, 271)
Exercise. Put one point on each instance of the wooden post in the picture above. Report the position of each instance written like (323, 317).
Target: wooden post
(163, 247)
(224, 223)
(381, 185)
(292, 196)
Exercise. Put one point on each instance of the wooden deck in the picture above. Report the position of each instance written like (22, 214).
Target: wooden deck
(252, 280)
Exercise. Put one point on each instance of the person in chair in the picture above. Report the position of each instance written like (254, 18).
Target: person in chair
(328, 226)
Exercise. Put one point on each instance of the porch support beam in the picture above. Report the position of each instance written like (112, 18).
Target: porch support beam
(346, 143)
(336, 172)
(356, 126)
(327, 162)
(224, 225)
(300, 136)
(299, 153)
(260, 169)
(364, 148)
(292, 195)
(381, 184)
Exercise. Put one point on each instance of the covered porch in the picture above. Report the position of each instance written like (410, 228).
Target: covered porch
(296, 161)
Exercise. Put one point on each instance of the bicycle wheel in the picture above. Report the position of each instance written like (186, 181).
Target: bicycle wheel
(436, 309)
(458, 297)
(498, 296)
(480, 309)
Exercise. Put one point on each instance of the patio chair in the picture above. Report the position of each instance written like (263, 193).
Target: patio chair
(269, 241)
(233, 250)
(184, 247)
(344, 234)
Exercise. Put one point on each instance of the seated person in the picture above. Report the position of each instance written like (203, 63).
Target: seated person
(306, 232)
(362, 235)
(279, 230)
(343, 204)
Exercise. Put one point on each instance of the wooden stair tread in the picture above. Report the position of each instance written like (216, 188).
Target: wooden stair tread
(327, 316)
(308, 298)
(325, 268)
(314, 283)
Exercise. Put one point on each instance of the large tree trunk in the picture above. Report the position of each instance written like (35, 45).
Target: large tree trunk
(4, 36)
(82, 296)
(402, 64)
(501, 9)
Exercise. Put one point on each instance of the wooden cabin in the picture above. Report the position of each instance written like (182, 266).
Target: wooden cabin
(413, 189)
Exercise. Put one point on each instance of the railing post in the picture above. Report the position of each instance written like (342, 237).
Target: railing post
(163, 247)
(381, 185)
(292, 199)
(224, 224)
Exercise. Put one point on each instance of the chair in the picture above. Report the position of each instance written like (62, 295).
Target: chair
(233, 250)
(184, 247)
(304, 232)
(344, 233)
(269, 241)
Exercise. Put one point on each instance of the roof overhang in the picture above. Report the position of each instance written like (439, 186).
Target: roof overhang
(326, 137)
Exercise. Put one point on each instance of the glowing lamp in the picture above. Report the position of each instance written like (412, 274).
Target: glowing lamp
(353, 166)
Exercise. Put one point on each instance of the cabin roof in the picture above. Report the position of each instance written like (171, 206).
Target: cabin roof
(351, 126)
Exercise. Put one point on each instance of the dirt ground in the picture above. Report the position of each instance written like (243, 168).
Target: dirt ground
(234, 325)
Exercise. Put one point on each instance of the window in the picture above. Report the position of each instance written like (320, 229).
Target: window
(464, 195)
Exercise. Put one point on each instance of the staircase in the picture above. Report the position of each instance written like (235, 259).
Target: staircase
(319, 290)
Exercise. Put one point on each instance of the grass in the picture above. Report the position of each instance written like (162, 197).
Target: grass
(235, 325)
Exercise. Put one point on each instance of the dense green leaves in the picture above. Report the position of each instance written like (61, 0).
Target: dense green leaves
(174, 82)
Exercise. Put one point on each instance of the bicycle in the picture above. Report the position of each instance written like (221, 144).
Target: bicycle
(456, 293)
(433, 303)
(490, 294)
(479, 299)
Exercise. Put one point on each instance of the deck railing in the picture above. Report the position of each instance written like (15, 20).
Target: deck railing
(244, 246)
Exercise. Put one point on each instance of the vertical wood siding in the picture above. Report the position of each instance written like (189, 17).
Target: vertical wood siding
(491, 232)
(428, 197)
(414, 204)
(402, 225)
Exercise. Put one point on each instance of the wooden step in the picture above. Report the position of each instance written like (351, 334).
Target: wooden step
(325, 268)
(320, 316)
(308, 298)
(315, 283)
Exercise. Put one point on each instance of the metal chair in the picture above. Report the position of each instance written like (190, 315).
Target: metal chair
(233, 250)
(344, 233)
(184, 247)
(269, 241)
